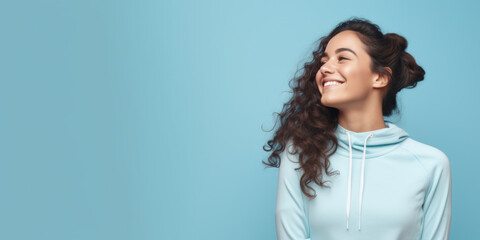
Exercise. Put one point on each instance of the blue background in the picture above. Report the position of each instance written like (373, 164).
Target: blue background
(146, 119)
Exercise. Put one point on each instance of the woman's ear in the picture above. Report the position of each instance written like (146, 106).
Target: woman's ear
(383, 79)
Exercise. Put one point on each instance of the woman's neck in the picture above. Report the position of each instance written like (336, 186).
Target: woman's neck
(361, 121)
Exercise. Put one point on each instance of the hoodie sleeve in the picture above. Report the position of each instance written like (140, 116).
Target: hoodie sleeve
(438, 203)
(290, 213)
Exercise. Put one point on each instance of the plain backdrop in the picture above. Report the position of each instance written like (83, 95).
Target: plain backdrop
(146, 119)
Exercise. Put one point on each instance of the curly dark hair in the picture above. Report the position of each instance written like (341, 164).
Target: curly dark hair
(310, 125)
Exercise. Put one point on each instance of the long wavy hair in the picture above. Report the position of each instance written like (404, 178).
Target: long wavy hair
(310, 125)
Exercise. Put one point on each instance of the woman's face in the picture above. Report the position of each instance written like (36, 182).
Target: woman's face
(345, 61)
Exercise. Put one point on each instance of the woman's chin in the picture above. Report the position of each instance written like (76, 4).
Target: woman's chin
(329, 102)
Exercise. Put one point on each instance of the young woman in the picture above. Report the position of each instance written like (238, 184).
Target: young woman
(344, 171)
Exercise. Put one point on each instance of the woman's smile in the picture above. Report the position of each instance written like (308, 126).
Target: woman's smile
(331, 84)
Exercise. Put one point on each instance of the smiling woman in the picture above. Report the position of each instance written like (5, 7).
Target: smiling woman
(346, 64)
(335, 120)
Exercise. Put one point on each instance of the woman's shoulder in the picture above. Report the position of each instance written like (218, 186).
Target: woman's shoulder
(428, 155)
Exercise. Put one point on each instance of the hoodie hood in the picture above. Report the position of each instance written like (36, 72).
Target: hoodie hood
(366, 145)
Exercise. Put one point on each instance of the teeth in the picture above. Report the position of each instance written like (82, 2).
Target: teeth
(332, 83)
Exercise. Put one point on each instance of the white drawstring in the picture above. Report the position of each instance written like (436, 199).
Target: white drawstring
(349, 179)
(361, 182)
(361, 179)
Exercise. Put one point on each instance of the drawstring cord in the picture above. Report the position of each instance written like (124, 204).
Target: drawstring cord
(361, 180)
(349, 179)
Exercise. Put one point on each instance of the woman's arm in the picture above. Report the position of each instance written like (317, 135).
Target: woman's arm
(438, 203)
(290, 213)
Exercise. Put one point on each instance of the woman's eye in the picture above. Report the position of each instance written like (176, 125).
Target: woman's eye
(339, 59)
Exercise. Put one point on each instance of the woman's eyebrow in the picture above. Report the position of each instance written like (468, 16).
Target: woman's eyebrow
(340, 50)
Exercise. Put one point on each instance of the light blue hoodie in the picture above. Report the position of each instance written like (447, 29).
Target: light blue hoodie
(389, 187)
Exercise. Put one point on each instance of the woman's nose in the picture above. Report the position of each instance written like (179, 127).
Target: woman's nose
(326, 68)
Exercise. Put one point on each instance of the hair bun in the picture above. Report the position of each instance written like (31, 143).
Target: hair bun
(396, 40)
(413, 73)
(409, 73)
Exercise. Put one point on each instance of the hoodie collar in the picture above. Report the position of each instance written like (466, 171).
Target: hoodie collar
(367, 145)
(383, 141)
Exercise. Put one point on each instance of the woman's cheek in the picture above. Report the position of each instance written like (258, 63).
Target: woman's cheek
(317, 77)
